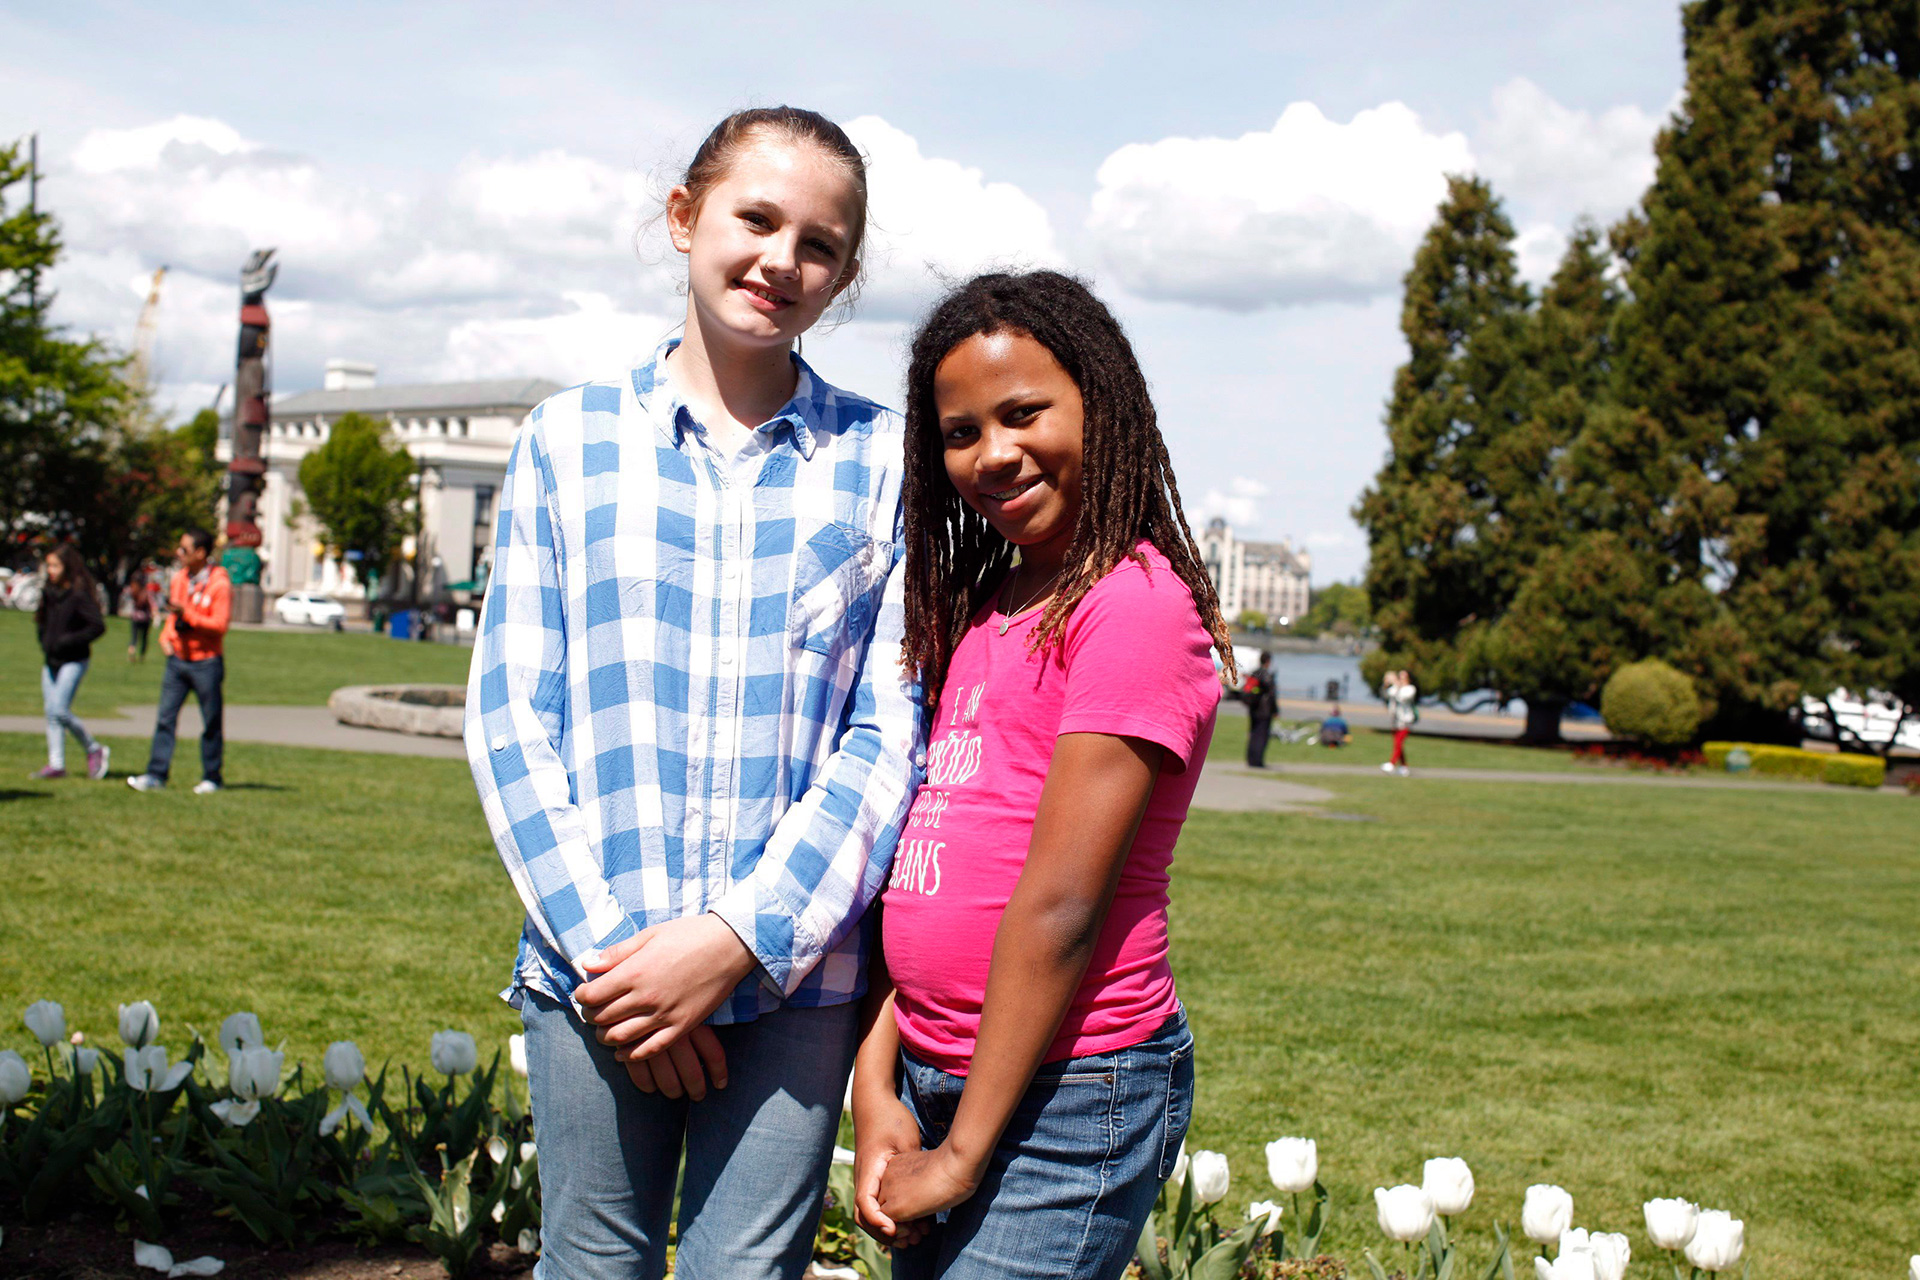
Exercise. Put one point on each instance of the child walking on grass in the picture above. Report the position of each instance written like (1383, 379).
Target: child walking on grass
(1026, 1073)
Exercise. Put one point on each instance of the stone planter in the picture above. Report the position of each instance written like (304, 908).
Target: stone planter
(425, 710)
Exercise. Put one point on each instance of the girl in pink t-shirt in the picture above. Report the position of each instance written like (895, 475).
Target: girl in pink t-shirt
(1025, 1075)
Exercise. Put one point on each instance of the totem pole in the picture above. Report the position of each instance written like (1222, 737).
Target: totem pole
(246, 474)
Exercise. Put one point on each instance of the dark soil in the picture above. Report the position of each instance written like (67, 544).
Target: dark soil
(84, 1248)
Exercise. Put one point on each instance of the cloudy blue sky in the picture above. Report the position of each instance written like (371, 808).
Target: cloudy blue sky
(466, 190)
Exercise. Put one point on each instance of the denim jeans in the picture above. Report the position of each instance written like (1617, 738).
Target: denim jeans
(1075, 1174)
(757, 1151)
(56, 695)
(204, 678)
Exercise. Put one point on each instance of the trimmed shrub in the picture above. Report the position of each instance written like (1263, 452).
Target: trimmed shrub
(1855, 771)
(1651, 702)
(1793, 762)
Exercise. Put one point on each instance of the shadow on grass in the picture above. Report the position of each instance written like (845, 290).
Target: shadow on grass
(8, 793)
(254, 786)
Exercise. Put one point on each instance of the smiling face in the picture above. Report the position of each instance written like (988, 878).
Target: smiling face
(1012, 427)
(770, 245)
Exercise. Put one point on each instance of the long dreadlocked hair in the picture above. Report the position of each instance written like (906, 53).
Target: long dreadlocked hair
(955, 560)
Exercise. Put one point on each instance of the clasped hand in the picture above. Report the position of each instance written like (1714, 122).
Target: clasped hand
(651, 997)
(898, 1187)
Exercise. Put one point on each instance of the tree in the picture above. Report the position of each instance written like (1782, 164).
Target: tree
(1766, 381)
(1250, 620)
(1340, 609)
(61, 401)
(357, 486)
(202, 433)
(1436, 577)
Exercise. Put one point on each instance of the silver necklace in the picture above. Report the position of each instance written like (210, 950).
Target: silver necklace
(1007, 614)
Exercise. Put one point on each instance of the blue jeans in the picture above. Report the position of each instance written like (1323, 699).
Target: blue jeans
(56, 695)
(757, 1151)
(204, 678)
(1076, 1173)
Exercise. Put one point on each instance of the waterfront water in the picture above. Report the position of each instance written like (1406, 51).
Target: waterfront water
(1304, 676)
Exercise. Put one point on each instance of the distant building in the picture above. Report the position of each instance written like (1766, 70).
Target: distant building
(460, 434)
(1266, 577)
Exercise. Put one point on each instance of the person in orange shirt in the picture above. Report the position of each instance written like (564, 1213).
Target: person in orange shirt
(199, 605)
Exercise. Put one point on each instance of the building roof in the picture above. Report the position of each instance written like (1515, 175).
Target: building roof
(425, 397)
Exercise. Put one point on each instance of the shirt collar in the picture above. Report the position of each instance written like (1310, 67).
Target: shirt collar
(654, 387)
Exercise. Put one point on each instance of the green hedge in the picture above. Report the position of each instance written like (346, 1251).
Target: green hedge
(1651, 702)
(1793, 762)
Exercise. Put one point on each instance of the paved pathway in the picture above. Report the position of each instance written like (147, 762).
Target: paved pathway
(1280, 788)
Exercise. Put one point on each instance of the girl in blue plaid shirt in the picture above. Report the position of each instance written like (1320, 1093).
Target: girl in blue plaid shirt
(693, 738)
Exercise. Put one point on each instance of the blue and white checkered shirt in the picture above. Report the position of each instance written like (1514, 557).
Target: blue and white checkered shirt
(686, 695)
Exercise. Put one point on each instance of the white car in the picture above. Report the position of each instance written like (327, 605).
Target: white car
(311, 608)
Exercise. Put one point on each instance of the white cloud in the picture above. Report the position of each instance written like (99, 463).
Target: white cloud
(935, 220)
(1308, 211)
(596, 339)
(1562, 162)
(1239, 504)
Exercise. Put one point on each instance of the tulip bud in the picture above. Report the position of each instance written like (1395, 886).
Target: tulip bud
(241, 1031)
(1913, 1267)
(1718, 1240)
(254, 1073)
(498, 1211)
(86, 1060)
(344, 1065)
(1405, 1211)
(1180, 1166)
(1546, 1212)
(1450, 1182)
(1293, 1164)
(497, 1149)
(15, 1077)
(453, 1052)
(1268, 1210)
(528, 1241)
(1670, 1223)
(47, 1021)
(139, 1024)
(517, 1059)
(1612, 1251)
(1577, 1265)
(527, 1151)
(1210, 1177)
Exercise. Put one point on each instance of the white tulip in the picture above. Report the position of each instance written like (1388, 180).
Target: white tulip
(1718, 1240)
(1448, 1180)
(1405, 1212)
(241, 1031)
(1670, 1223)
(497, 1149)
(86, 1060)
(1577, 1265)
(236, 1113)
(1913, 1267)
(255, 1073)
(527, 1151)
(16, 1079)
(528, 1241)
(1575, 1240)
(1546, 1212)
(147, 1070)
(156, 1257)
(1293, 1164)
(1268, 1210)
(453, 1052)
(47, 1021)
(139, 1024)
(344, 1065)
(1612, 1251)
(1210, 1177)
(517, 1059)
(349, 1105)
(1180, 1166)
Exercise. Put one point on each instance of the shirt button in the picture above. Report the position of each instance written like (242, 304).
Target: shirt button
(726, 657)
(500, 741)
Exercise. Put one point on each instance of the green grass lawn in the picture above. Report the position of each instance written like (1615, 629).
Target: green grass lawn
(271, 668)
(1629, 992)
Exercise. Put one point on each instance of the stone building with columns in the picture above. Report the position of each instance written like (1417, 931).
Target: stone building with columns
(460, 435)
(1265, 577)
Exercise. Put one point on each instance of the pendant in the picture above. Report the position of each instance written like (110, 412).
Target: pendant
(1005, 622)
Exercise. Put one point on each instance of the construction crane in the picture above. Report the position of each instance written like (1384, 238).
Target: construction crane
(144, 333)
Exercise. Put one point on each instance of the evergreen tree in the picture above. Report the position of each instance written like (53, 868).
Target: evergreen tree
(357, 486)
(1435, 577)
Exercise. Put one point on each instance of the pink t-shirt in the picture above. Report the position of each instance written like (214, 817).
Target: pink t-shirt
(1134, 663)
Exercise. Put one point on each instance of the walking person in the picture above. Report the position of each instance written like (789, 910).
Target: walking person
(1262, 698)
(67, 621)
(1400, 697)
(193, 636)
(693, 736)
(139, 607)
(1026, 1078)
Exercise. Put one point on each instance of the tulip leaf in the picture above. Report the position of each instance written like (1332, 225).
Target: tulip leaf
(1373, 1264)
(1223, 1260)
(1502, 1268)
(1182, 1220)
(1316, 1222)
(1147, 1251)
